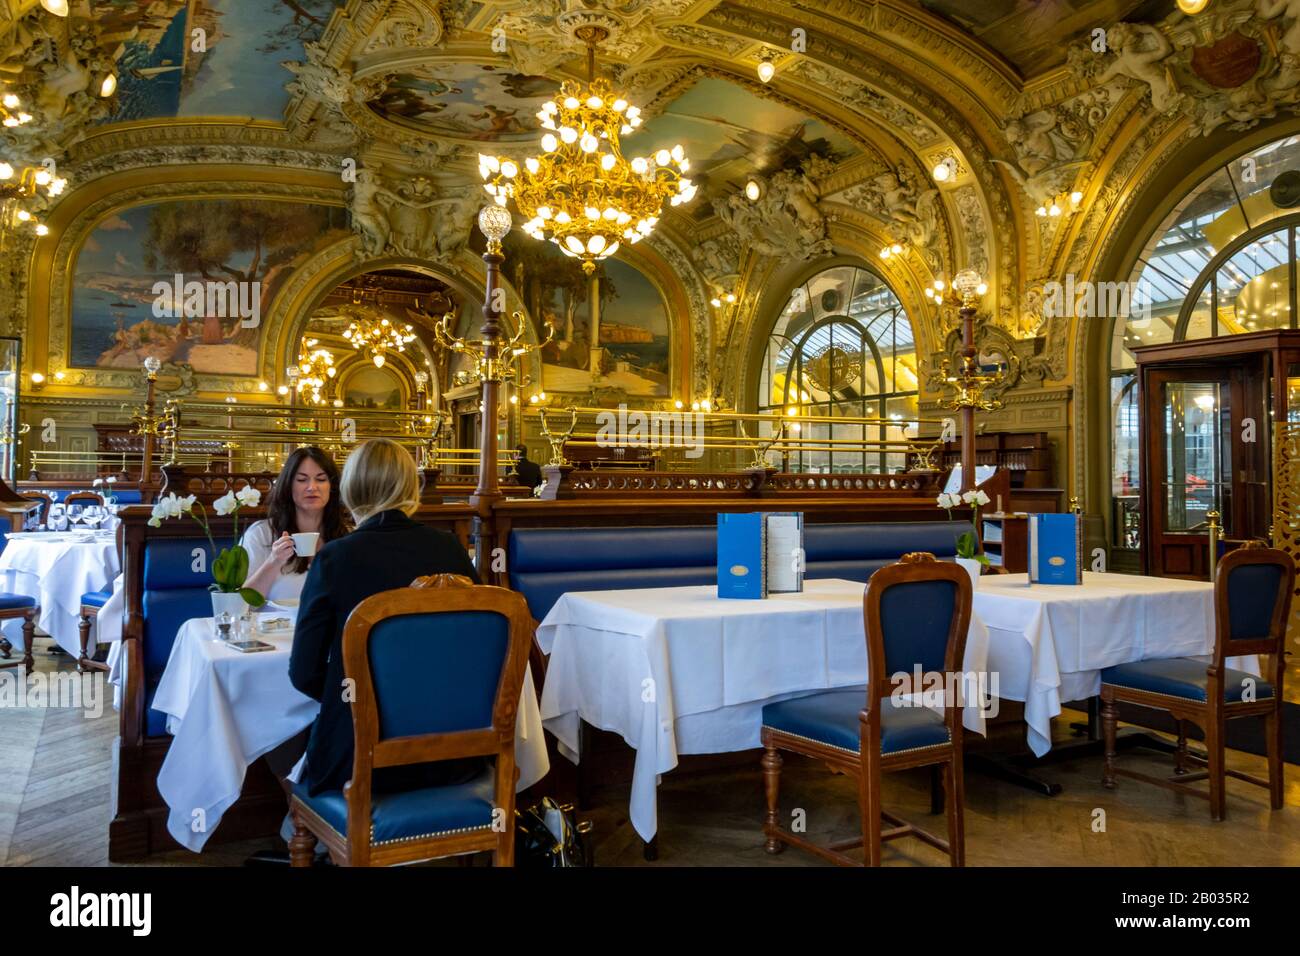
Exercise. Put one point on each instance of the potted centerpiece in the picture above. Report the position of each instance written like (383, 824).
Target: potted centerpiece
(230, 569)
(968, 555)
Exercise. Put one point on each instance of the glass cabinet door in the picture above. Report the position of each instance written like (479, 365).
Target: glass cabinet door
(10, 369)
(1198, 458)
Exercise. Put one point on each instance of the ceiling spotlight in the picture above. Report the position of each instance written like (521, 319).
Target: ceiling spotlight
(1192, 7)
(57, 7)
(766, 70)
(753, 190)
(945, 170)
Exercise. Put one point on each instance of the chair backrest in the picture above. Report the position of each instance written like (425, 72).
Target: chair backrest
(44, 499)
(437, 668)
(916, 614)
(174, 588)
(1253, 587)
(84, 497)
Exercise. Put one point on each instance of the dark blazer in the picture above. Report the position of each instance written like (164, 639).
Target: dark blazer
(386, 551)
(528, 473)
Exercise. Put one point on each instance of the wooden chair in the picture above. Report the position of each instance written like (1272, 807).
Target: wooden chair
(83, 498)
(91, 602)
(438, 669)
(916, 612)
(45, 500)
(1252, 598)
(24, 607)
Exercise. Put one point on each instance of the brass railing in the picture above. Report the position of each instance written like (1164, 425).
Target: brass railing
(684, 430)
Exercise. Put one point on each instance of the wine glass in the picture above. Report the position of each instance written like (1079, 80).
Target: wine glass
(58, 518)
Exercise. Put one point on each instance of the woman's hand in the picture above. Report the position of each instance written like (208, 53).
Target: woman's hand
(282, 550)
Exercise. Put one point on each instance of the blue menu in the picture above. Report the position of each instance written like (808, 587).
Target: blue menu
(1055, 549)
(742, 556)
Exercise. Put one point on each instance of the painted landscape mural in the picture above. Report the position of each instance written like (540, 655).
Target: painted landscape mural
(208, 57)
(634, 328)
(251, 243)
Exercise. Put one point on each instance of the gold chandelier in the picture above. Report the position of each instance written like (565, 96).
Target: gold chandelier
(375, 335)
(581, 193)
(315, 368)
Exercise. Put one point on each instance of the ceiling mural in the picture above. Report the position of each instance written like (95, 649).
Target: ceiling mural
(208, 57)
(1032, 34)
(467, 100)
(730, 134)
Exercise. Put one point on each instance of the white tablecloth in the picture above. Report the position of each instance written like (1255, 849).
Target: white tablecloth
(678, 670)
(225, 709)
(1048, 643)
(57, 568)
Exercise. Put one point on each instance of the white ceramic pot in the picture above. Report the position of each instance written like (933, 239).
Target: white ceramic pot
(232, 603)
(973, 569)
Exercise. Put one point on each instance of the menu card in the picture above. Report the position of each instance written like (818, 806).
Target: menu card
(742, 555)
(1055, 549)
(785, 557)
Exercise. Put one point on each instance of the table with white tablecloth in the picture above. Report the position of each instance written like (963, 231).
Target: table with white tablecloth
(680, 671)
(225, 709)
(1049, 642)
(57, 568)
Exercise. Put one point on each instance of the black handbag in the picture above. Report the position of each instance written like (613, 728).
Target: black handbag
(548, 835)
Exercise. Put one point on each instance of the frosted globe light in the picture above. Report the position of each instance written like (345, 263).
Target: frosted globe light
(662, 157)
(571, 103)
(753, 190)
(766, 71)
(494, 222)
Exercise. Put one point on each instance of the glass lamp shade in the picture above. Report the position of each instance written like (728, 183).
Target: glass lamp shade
(494, 222)
(967, 283)
(152, 364)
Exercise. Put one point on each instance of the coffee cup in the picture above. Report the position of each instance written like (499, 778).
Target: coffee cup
(305, 543)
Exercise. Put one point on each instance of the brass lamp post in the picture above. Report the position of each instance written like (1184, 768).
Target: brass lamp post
(968, 383)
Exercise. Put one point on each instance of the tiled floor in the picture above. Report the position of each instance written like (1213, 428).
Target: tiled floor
(54, 810)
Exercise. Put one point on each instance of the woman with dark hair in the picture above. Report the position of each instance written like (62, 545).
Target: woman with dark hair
(305, 499)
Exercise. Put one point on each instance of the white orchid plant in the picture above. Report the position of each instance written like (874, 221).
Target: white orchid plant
(967, 541)
(230, 569)
(107, 485)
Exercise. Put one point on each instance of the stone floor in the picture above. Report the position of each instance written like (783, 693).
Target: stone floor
(54, 810)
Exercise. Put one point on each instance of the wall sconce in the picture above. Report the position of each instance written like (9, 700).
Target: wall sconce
(893, 249)
(38, 381)
(1061, 203)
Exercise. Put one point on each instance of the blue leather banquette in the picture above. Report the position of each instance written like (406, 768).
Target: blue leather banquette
(174, 592)
(543, 563)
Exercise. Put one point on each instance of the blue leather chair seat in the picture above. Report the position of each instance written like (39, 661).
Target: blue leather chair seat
(412, 814)
(96, 599)
(832, 718)
(1181, 677)
(10, 602)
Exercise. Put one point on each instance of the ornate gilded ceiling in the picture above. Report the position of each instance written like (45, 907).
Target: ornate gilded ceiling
(384, 105)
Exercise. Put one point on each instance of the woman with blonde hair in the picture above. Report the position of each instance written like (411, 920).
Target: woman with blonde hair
(387, 550)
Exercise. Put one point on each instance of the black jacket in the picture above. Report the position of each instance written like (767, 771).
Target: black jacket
(528, 473)
(386, 551)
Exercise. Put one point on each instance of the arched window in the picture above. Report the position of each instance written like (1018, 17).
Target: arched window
(1222, 263)
(843, 347)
